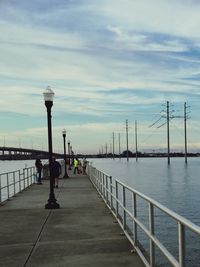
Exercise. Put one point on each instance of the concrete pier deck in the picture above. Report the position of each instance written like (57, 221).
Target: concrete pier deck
(81, 233)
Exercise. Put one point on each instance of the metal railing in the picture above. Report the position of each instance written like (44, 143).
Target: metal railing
(123, 201)
(14, 182)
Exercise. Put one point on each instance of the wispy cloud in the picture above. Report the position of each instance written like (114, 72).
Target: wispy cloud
(105, 60)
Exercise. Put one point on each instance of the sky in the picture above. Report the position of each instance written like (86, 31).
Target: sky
(107, 61)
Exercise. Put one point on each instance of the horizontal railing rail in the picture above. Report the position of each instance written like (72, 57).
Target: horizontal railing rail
(115, 195)
(12, 183)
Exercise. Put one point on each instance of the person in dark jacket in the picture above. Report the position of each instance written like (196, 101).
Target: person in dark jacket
(56, 171)
(38, 165)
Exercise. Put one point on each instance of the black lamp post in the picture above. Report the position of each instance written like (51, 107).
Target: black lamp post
(72, 154)
(69, 156)
(48, 98)
(64, 137)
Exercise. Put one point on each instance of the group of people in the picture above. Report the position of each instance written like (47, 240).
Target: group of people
(80, 167)
(56, 169)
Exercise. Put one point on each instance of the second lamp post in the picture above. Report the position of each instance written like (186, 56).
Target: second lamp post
(69, 156)
(64, 142)
(48, 98)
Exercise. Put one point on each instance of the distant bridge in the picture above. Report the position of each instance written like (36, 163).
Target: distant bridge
(13, 153)
(18, 153)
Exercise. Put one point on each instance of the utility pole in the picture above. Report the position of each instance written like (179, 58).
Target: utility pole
(127, 140)
(113, 145)
(169, 116)
(119, 147)
(136, 148)
(185, 130)
(106, 147)
(168, 143)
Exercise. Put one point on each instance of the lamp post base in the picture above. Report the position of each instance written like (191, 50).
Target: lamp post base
(65, 176)
(52, 204)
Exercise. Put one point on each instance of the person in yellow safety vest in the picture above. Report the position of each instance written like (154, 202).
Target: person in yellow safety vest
(75, 166)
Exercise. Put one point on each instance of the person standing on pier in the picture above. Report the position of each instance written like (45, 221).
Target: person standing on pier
(56, 171)
(38, 165)
(76, 165)
(84, 165)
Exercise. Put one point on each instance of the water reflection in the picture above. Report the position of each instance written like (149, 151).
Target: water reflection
(176, 186)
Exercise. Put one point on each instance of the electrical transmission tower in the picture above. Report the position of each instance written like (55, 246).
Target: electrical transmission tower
(127, 152)
(119, 145)
(168, 115)
(113, 138)
(185, 127)
(136, 142)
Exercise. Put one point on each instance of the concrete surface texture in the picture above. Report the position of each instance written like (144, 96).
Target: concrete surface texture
(81, 233)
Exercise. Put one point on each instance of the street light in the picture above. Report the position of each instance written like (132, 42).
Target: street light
(69, 155)
(48, 98)
(64, 137)
(72, 155)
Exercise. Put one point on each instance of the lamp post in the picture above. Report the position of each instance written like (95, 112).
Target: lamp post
(48, 98)
(64, 137)
(72, 155)
(69, 156)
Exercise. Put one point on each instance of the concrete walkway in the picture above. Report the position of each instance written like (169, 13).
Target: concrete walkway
(81, 233)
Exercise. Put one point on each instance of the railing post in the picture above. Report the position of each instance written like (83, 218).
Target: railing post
(151, 230)
(101, 185)
(106, 189)
(24, 179)
(14, 183)
(8, 188)
(124, 207)
(116, 196)
(20, 186)
(111, 193)
(27, 177)
(135, 217)
(98, 179)
(181, 244)
(32, 177)
(95, 177)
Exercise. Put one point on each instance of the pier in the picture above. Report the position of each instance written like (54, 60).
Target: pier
(82, 232)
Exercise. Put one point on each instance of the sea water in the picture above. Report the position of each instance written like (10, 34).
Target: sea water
(176, 186)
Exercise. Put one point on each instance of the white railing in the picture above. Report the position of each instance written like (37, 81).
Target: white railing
(14, 182)
(123, 201)
(11, 183)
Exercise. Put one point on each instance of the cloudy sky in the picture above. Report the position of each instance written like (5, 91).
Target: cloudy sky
(106, 61)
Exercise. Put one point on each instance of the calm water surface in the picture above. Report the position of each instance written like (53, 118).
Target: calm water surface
(176, 186)
(14, 165)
